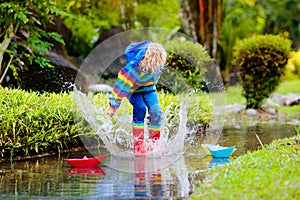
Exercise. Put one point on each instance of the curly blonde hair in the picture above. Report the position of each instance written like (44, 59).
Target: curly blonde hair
(155, 57)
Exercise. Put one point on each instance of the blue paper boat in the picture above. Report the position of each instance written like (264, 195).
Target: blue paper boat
(218, 151)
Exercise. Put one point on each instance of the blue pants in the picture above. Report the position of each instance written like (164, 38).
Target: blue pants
(141, 101)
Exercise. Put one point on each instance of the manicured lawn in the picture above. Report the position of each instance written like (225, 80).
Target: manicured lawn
(234, 95)
(289, 87)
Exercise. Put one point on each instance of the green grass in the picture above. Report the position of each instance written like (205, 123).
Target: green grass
(289, 87)
(272, 172)
(269, 173)
(234, 95)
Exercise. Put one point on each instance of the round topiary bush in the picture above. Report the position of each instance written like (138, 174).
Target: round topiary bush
(261, 60)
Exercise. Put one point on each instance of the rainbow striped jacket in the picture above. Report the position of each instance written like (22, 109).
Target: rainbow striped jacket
(130, 79)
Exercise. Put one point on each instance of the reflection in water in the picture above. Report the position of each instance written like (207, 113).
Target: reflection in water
(155, 186)
(52, 178)
(161, 183)
(86, 171)
(244, 138)
(218, 161)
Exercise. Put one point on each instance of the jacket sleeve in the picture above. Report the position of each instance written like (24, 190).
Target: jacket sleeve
(122, 87)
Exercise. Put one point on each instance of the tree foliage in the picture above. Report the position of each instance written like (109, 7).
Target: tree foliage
(91, 17)
(282, 17)
(245, 18)
(158, 13)
(23, 35)
(241, 19)
(24, 40)
(87, 19)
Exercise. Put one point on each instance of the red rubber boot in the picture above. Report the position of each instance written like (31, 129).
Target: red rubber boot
(154, 136)
(139, 150)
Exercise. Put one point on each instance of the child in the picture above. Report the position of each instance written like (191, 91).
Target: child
(137, 81)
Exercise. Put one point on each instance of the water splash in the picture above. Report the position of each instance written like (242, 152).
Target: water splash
(115, 132)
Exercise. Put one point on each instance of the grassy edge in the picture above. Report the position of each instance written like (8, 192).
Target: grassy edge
(269, 173)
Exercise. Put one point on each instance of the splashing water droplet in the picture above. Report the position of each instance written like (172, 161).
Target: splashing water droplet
(117, 137)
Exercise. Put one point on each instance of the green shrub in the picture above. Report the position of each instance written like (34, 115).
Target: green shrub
(33, 123)
(261, 60)
(199, 107)
(188, 59)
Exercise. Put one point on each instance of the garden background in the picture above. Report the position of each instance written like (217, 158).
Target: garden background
(43, 43)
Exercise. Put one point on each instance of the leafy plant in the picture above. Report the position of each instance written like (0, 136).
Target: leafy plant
(23, 35)
(187, 60)
(199, 107)
(234, 27)
(261, 60)
(100, 15)
(33, 123)
(163, 14)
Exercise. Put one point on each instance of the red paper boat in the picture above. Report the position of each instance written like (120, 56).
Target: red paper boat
(85, 161)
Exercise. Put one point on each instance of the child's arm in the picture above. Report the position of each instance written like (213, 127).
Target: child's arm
(114, 102)
(122, 87)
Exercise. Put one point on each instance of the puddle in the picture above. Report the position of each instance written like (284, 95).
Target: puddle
(53, 178)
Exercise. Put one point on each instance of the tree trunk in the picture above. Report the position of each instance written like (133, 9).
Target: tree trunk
(204, 17)
(188, 22)
(4, 44)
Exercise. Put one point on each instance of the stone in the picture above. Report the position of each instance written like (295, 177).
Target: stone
(271, 103)
(270, 111)
(293, 100)
(251, 112)
(99, 88)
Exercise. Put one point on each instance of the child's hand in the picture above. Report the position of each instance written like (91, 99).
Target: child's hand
(110, 112)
